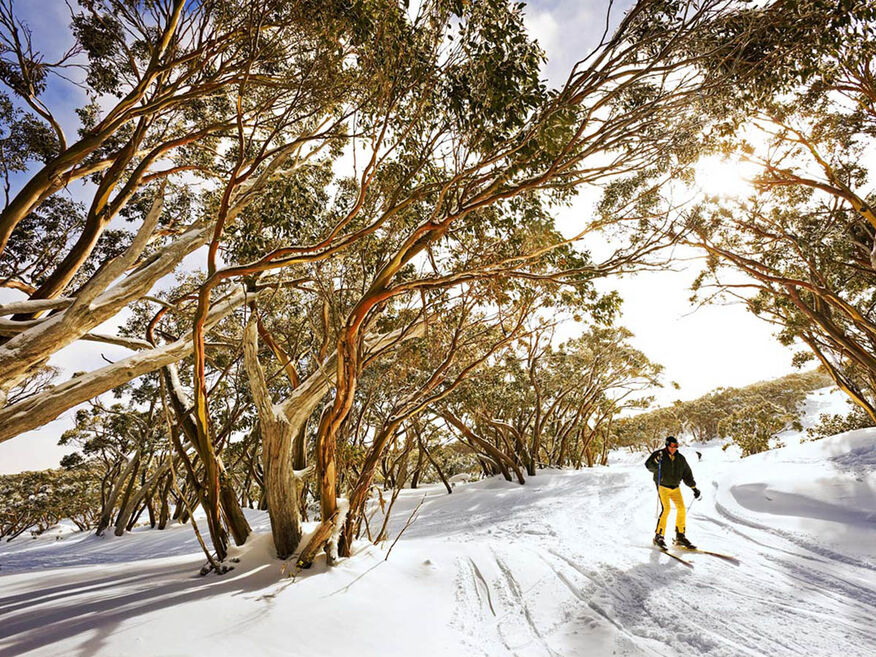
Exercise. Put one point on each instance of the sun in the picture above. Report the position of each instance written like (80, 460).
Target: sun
(724, 177)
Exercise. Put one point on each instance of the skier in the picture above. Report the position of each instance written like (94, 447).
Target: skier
(670, 468)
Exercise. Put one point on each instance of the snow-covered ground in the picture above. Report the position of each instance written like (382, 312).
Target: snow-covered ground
(561, 566)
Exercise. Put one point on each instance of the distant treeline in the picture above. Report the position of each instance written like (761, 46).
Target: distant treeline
(36, 501)
(749, 417)
(122, 474)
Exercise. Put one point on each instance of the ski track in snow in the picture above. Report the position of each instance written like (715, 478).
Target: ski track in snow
(560, 567)
(787, 596)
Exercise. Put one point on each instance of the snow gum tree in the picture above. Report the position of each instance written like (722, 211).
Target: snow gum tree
(752, 427)
(462, 338)
(551, 405)
(36, 501)
(372, 163)
(116, 445)
(722, 413)
(190, 109)
(456, 157)
(802, 114)
(504, 145)
(193, 109)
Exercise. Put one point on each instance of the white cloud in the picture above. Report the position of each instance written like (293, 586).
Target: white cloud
(568, 31)
(544, 28)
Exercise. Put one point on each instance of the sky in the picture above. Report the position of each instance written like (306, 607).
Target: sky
(700, 348)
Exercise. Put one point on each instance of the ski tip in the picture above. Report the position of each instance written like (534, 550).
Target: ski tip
(725, 557)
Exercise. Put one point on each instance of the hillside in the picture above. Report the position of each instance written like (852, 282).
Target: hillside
(560, 566)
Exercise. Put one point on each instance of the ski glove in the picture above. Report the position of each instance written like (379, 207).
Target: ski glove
(697, 493)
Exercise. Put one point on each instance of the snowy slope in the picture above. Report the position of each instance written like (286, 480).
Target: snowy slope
(560, 566)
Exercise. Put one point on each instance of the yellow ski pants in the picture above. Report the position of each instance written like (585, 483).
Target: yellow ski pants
(673, 494)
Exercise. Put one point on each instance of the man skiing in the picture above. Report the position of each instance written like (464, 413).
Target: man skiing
(670, 468)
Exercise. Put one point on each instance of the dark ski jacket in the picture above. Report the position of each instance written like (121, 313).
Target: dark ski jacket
(671, 471)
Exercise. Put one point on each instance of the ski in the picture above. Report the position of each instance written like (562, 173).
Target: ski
(674, 556)
(725, 557)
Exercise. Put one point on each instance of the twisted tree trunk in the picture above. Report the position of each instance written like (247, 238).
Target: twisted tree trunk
(106, 514)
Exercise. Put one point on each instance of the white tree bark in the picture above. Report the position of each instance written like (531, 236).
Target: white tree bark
(46, 406)
(97, 302)
(33, 306)
(280, 423)
(100, 299)
(282, 487)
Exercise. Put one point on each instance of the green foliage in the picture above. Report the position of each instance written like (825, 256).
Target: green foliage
(289, 208)
(555, 404)
(830, 425)
(648, 430)
(766, 49)
(41, 240)
(23, 138)
(453, 459)
(753, 426)
(107, 435)
(497, 85)
(798, 104)
(101, 35)
(748, 416)
(36, 501)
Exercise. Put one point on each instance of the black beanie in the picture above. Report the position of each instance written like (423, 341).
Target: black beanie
(671, 440)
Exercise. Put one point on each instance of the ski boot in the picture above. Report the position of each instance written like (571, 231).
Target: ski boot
(681, 541)
(658, 541)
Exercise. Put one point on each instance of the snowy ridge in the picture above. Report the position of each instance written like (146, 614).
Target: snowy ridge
(559, 567)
